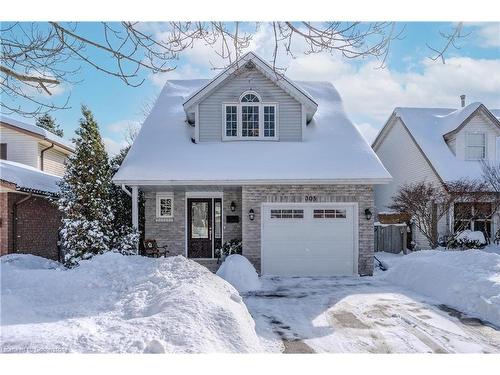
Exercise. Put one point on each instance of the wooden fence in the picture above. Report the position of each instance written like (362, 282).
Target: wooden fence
(390, 238)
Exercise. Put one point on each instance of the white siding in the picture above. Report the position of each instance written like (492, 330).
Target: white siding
(53, 160)
(210, 109)
(405, 162)
(482, 124)
(21, 147)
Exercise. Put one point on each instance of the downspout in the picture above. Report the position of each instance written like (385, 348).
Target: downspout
(124, 188)
(41, 154)
(14, 221)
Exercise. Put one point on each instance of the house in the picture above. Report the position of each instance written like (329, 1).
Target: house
(32, 163)
(254, 156)
(438, 145)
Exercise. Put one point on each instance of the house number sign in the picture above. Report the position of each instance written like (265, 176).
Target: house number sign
(310, 198)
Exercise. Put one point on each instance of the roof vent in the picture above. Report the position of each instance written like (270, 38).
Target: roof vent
(462, 100)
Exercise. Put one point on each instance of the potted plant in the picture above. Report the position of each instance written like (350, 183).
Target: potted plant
(229, 247)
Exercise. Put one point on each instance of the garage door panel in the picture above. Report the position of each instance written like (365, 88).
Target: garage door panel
(308, 246)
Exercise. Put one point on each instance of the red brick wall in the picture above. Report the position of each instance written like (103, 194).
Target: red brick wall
(38, 222)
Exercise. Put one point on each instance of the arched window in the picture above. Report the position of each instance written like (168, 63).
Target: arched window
(250, 118)
(250, 97)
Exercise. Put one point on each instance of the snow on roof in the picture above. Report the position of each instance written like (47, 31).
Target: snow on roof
(39, 131)
(27, 178)
(428, 126)
(333, 149)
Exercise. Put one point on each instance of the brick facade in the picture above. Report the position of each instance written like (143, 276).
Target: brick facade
(36, 232)
(173, 234)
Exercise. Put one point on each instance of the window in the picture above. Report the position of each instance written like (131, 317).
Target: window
(249, 121)
(164, 205)
(231, 121)
(473, 216)
(3, 151)
(250, 118)
(269, 121)
(287, 214)
(475, 146)
(330, 214)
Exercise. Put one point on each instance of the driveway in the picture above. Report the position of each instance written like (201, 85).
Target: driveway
(361, 315)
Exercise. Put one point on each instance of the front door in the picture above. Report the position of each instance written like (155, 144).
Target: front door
(199, 228)
(204, 219)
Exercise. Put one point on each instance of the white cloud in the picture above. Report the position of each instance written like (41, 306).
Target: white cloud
(186, 71)
(490, 34)
(113, 146)
(122, 126)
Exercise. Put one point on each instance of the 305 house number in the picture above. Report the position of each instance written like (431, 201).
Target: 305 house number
(311, 198)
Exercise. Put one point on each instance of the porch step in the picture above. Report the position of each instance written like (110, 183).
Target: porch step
(211, 264)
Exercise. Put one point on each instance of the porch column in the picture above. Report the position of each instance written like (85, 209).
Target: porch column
(135, 207)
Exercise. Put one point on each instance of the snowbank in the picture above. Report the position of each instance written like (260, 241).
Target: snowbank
(240, 273)
(466, 280)
(116, 303)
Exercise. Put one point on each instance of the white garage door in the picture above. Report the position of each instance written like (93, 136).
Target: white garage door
(309, 239)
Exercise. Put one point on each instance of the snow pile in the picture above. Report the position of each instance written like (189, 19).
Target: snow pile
(466, 280)
(472, 236)
(116, 303)
(240, 273)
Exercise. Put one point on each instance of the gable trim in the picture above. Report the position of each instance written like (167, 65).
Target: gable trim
(385, 130)
(284, 83)
(481, 108)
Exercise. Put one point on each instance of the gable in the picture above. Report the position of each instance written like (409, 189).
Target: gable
(403, 159)
(252, 60)
(210, 109)
(479, 122)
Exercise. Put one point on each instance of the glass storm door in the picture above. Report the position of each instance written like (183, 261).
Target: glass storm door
(200, 228)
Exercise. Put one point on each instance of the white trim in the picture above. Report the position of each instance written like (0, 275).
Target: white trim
(204, 194)
(304, 121)
(339, 181)
(197, 124)
(164, 195)
(135, 207)
(467, 136)
(355, 220)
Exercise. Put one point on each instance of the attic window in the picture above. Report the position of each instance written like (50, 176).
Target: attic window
(250, 98)
(475, 146)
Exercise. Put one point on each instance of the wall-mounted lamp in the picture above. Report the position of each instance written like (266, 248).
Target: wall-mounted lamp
(368, 214)
(233, 206)
(251, 214)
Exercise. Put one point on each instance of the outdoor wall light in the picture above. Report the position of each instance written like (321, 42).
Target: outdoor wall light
(368, 214)
(233, 206)
(251, 214)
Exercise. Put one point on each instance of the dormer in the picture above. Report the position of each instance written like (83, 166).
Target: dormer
(249, 101)
(474, 136)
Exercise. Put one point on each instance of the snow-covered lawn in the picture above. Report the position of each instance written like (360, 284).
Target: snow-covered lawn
(116, 303)
(406, 309)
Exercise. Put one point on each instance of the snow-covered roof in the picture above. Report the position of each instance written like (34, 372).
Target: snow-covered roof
(36, 130)
(28, 179)
(333, 150)
(428, 126)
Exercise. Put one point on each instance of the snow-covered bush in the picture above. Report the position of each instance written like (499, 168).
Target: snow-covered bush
(240, 273)
(127, 241)
(230, 247)
(468, 239)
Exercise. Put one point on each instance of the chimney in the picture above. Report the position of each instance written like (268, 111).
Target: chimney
(462, 100)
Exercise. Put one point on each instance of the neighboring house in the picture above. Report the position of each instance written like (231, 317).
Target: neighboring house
(251, 155)
(438, 145)
(33, 160)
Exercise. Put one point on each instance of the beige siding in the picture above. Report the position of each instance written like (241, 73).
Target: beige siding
(21, 147)
(53, 160)
(210, 109)
(479, 123)
(405, 162)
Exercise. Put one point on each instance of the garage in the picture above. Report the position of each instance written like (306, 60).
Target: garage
(309, 239)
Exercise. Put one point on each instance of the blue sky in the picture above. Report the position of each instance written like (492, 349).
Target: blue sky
(410, 78)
